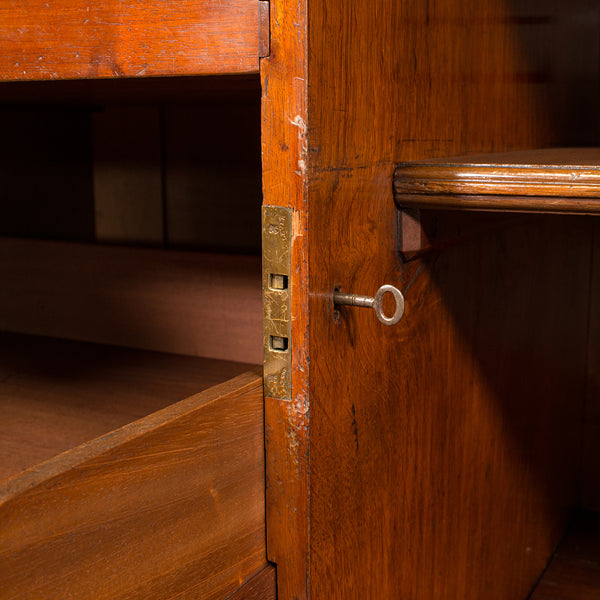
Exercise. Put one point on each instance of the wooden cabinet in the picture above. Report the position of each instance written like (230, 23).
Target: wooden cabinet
(132, 439)
(444, 457)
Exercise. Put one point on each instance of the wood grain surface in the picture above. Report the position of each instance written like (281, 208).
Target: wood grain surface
(76, 39)
(263, 586)
(565, 180)
(284, 79)
(181, 302)
(57, 394)
(444, 448)
(169, 506)
(574, 572)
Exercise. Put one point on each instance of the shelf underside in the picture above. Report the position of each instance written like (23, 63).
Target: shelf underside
(558, 180)
(76, 39)
(574, 571)
(57, 394)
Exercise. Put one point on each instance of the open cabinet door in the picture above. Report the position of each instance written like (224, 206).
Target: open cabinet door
(437, 458)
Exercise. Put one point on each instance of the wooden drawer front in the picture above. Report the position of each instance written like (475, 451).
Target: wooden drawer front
(76, 39)
(169, 506)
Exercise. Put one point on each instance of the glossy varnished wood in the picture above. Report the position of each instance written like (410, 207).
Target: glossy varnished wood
(284, 79)
(574, 572)
(565, 180)
(263, 586)
(75, 39)
(182, 302)
(425, 480)
(171, 505)
(57, 394)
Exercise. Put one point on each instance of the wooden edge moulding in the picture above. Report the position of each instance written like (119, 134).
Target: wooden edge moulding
(563, 180)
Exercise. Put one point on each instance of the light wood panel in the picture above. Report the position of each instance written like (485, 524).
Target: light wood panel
(565, 180)
(57, 394)
(168, 506)
(75, 39)
(182, 302)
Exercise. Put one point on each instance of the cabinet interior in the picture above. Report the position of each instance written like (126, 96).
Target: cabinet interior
(130, 223)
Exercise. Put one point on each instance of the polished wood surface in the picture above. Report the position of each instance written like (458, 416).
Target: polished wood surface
(574, 572)
(565, 180)
(426, 480)
(57, 394)
(171, 505)
(75, 39)
(263, 586)
(284, 78)
(181, 302)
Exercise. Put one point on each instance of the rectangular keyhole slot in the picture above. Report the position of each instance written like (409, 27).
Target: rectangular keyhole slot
(278, 282)
(278, 343)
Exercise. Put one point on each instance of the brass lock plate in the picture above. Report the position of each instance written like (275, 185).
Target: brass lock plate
(276, 266)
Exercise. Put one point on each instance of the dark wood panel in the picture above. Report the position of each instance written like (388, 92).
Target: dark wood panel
(76, 39)
(591, 444)
(420, 231)
(182, 302)
(458, 467)
(565, 180)
(46, 173)
(574, 572)
(213, 175)
(141, 90)
(425, 479)
(57, 394)
(169, 506)
(128, 187)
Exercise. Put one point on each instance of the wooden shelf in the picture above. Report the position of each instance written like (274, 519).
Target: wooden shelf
(74, 39)
(574, 572)
(58, 394)
(563, 180)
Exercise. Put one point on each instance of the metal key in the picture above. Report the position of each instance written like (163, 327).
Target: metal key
(376, 302)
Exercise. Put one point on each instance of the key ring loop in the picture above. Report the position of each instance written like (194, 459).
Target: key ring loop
(378, 304)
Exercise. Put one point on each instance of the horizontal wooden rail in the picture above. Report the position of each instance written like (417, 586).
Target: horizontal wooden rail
(182, 302)
(74, 39)
(564, 180)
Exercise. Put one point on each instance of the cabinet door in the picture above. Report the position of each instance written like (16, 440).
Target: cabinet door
(433, 459)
